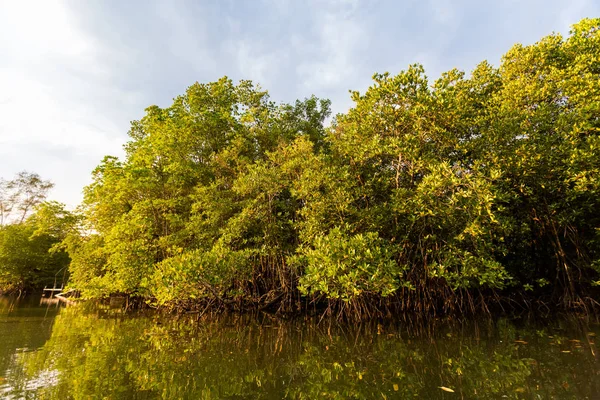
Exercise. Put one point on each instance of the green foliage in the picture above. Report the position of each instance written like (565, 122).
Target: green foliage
(452, 222)
(345, 267)
(197, 274)
(26, 259)
(421, 193)
(31, 231)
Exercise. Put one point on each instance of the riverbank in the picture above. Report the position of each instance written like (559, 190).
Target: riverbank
(392, 308)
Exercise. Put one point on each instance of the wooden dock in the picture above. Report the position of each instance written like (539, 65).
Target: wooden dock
(53, 289)
(55, 292)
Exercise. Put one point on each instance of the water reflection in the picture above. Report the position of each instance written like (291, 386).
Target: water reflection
(106, 353)
(25, 325)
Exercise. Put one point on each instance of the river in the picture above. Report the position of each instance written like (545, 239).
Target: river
(98, 352)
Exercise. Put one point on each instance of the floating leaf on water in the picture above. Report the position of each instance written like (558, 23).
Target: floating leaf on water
(446, 389)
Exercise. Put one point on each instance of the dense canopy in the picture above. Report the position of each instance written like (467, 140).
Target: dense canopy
(425, 196)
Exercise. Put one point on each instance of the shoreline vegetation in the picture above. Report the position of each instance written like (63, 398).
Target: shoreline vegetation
(463, 195)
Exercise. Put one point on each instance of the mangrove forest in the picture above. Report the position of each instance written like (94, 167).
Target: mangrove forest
(464, 194)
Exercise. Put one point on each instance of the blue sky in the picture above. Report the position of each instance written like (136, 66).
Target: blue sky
(74, 73)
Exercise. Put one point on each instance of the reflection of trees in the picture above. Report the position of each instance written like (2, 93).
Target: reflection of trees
(24, 327)
(107, 354)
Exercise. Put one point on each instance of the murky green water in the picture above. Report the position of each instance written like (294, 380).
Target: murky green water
(52, 353)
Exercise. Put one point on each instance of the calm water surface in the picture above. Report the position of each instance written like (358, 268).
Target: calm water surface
(101, 353)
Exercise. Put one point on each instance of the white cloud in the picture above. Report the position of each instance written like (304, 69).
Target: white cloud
(572, 12)
(257, 63)
(335, 61)
(331, 54)
(445, 12)
(49, 70)
(31, 31)
(332, 59)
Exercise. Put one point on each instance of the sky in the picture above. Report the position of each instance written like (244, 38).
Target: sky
(73, 74)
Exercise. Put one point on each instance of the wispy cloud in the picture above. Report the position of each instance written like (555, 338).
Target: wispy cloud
(49, 72)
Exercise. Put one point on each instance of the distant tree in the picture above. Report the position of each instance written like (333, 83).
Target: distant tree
(30, 231)
(19, 196)
(5, 207)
